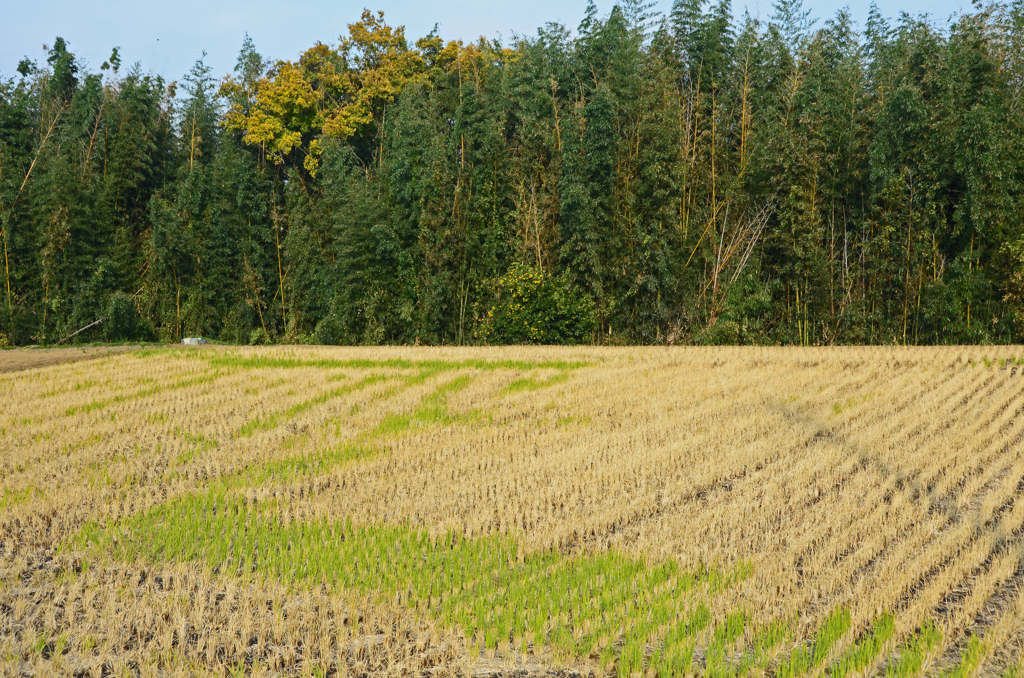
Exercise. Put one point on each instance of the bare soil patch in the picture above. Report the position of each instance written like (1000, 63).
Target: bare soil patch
(28, 358)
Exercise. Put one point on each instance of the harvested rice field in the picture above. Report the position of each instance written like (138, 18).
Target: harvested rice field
(718, 512)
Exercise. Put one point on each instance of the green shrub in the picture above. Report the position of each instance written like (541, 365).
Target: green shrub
(535, 308)
(122, 318)
(238, 325)
(328, 331)
(259, 337)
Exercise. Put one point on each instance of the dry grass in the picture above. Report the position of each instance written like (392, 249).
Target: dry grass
(312, 511)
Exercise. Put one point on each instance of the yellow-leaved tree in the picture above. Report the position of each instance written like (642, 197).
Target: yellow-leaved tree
(335, 92)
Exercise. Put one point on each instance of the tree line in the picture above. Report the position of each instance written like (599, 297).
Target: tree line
(679, 178)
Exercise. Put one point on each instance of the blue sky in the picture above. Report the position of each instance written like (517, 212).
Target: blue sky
(167, 37)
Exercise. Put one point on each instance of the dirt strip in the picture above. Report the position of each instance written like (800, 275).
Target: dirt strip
(16, 359)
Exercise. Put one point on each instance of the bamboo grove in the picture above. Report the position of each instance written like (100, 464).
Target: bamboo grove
(678, 178)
